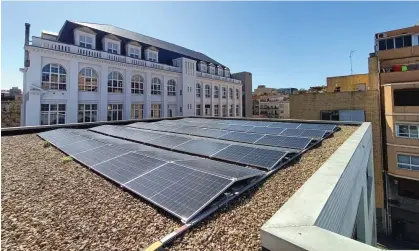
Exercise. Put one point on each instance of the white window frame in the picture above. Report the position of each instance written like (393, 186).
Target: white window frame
(225, 111)
(204, 68)
(137, 111)
(113, 48)
(224, 92)
(171, 88)
(220, 72)
(208, 91)
(410, 131)
(59, 75)
(156, 86)
(230, 93)
(230, 111)
(115, 82)
(88, 80)
(226, 73)
(198, 109)
(115, 112)
(198, 90)
(216, 92)
(216, 110)
(237, 110)
(54, 111)
(137, 84)
(134, 52)
(86, 41)
(87, 111)
(156, 110)
(237, 94)
(212, 70)
(409, 165)
(152, 56)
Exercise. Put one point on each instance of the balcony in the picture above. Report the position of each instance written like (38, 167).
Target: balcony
(206, 75)
(57, 46)
(399, 77)
(405, 52)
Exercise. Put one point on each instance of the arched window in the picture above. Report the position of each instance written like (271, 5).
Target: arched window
(216, 92)
(54, 77)
(207, 91)
(155, 86)
(137, 84)
(171, 88)
(224, 92)
(230, 93)
(115, 82)
(237, 93)
(88, 80)
(198, 90)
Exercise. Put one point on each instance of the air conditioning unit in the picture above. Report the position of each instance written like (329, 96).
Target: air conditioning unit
(381, 35)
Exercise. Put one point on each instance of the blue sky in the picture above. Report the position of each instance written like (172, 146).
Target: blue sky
(284, 44)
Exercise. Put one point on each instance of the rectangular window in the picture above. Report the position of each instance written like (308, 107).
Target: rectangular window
(203, 68)
(406, 97)
(395, 42)
(407, 131)
(155, 111)
(224, 110)
(227, 74)
(152, 56)
(52, 114)
(180, 93)
(216, 111)
(86, 42)
(220, 72)
(134, 52)
(198, 110)
(112, 48)
(409, 162)
(230, 111)
(115, 112)
(224, 92)
(87, 113)
(237, 111)
(212, 70)
(137, 111)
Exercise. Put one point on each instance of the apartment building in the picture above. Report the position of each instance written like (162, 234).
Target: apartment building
(271, 106)
(95, 72)
(396, 59)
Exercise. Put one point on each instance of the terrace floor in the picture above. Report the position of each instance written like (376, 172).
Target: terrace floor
(48, 203)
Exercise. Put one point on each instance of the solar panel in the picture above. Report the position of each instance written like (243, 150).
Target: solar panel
(169, 141)
(217, 126)
(60, 137)
(258, 123)
(284, 125)
(314, 133)
(127, 133)
(266, 130)
(292, 132)
(180, 190)
(242, 137)
(81, 146)
(127, 167)
(283, 141)
(239, 128)
(328, 127)
(201, 147)
(187, 129)
(229, 171)
(101, 154)
(165, 155)
(234, 153)
(263, 158)
(210, 133)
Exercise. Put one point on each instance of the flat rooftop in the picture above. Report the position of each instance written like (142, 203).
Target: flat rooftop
(51, 203)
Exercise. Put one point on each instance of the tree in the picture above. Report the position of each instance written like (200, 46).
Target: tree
(11, 117)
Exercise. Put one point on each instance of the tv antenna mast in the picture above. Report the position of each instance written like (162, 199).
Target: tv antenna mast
(350, 57)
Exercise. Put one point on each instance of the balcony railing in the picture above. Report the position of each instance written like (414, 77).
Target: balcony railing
(206, 75)
(53, 45)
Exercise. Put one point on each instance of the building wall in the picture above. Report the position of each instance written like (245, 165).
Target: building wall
(309, 105)
(246, 79)
(185, 81)
(348, 83)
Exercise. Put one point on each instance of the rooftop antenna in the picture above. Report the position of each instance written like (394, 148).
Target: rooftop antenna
(350, 57)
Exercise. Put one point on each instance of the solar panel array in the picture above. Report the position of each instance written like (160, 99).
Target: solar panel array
(184, 166)
(181, 184)
(204, 147)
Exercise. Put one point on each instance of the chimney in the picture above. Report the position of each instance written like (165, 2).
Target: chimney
(27, 31)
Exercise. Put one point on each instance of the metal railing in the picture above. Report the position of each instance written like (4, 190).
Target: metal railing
(217, 77)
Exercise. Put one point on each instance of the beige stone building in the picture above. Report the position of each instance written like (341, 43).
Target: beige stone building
(390, 100)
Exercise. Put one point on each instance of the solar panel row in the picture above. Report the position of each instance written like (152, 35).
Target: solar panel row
(182, 188)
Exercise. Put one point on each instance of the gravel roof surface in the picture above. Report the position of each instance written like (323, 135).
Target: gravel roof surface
(48, 204)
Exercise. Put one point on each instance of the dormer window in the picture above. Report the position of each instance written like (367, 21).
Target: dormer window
(220, 71)
(212, 69)
(112, 48)
(86, 41)
(152, 56)
(204, 68)
(226, 73)
(134, 52)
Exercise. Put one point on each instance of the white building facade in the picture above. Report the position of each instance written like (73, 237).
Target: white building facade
(86, 74)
